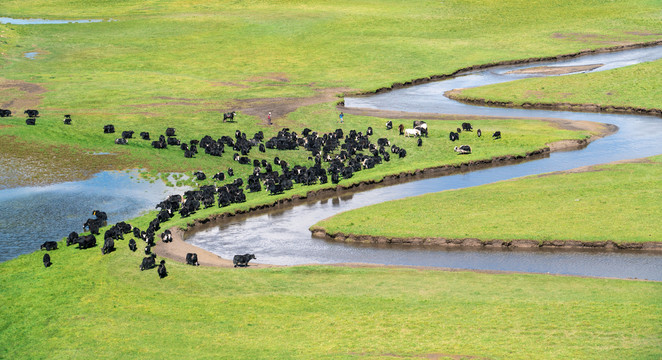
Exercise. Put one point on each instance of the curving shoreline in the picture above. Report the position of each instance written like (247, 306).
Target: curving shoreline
(178, 248)
(456, 94)
(530, 60)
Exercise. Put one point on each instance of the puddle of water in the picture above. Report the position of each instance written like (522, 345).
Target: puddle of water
(31, 55)
(8, 20)
(31, 215)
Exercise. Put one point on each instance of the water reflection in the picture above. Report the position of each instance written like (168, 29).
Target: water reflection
(29, 216)
(283, 237)
(8, 20)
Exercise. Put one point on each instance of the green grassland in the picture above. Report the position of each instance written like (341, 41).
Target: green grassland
(622, 87)
(179, 64)
(101, 306)
(610, 202)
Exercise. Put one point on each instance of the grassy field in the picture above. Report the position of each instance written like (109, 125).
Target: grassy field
(91, 305)
(619, 87)
(180, 64)
(566, 206)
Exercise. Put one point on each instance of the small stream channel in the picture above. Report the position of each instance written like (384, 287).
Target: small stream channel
(282, 236)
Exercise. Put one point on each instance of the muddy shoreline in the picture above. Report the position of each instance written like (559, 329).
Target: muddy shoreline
(178, 248)
(473, 242)
(456, 94)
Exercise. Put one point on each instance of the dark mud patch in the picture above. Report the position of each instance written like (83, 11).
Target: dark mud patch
(456, 94)
(555, 70)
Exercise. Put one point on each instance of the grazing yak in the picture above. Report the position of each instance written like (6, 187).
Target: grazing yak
(454, 136)
(162, 270)
(108, 129)
(479, 133)
(132, 245)
(87, 241)
(229, 116)
(49, 245)
(412, 132)
(108, 245)
(5, 113)
(149, 262)
(421, 126)
(420, 142)
(72, 238)
(192, 259)
(389, 125)
(401, 128)
(31, 121)
(170, 132)
(166, 236)
(466, 126)
(31, 113)
(121, 141)
(496, 135)
(47, 260)
(464, 149)
(242, 260)
(67, 120)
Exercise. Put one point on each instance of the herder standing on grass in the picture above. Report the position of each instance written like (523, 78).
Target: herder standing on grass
(269, 118)
(341, 117)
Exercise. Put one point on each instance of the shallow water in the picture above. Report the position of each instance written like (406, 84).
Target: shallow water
(29, 216)
(283, 237)
(31, 55)
(8, 20)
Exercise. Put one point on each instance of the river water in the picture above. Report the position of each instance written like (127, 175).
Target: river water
(282, 237)
(29, 216)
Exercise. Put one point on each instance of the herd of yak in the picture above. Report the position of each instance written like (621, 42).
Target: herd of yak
(344, 154)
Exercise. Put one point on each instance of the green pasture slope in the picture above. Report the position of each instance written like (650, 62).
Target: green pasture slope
(88, 305)
(622, 87)
(610, 202)
(179, 64)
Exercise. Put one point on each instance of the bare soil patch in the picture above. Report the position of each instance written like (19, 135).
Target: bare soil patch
(555, 70)
(29, 99)
(281, 107)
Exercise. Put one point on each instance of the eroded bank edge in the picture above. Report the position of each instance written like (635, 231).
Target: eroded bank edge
(473, 242)
(178, 248)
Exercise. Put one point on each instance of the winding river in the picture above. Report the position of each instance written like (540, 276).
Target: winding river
(282, 236)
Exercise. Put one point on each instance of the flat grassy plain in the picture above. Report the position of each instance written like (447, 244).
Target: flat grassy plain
(619, 87)
(91, 305)
(565, 206)
(180, 64)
